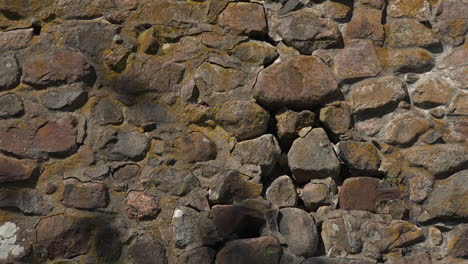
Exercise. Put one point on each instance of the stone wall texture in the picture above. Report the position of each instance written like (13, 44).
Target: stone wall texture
(233, 132)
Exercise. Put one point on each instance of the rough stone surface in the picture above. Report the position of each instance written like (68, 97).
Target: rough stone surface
(432, 92)
(281, 192)
(404, 33)
(365, 24)
(10, 72)
(298, 82)
(253, 250)
(14, 170)
(405, 128)
(16, 39)
(68, 96)
(146, 248)
(195, 147)
(357, 60)
(336, 117)
(415, 60)
(362, 157)
(246, 18)
(289, 123)
(84, 195)
(11, 105)
(313, 157)
(298, 230)
(142, 205)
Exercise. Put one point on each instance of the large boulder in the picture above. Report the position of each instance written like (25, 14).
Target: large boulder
(298, 82)
(313, 157)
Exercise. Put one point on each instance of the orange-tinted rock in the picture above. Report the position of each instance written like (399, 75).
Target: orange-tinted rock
(306, 31)
(14, 170)
(365, 24)
(357, 60)
(362, 158)
(373, 3)
(335, 10)
(415, 8)
(142, 205)
(406, 60)
(298, 82)
(194, 147)
(364, 193)
(84, 195)
(254, 250)
(432, 92)
(336, 117)
(56, 137)
(82, 9)
(404, 33)
(457, 244)
(246, 18)
(64, 236)
(55, 67)
(395, 235)
(16, 39)
(405, 128)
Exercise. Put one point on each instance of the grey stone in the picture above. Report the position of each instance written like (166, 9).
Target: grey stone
(147, 249)
(299, 231)
(10, 105)
(28, 201)
(64, 97)
(313, 157)
(148, 113)
(192, 229)
(201, 255)
(263, 151)
(263, 249)
(9, 73)
(84, 195)
(231, 186)
(126, 146)
(174, 182)
(106, 112)
(289, 123)
(282, 192)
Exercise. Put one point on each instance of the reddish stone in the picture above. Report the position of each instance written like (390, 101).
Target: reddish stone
(195, 147)
(58, 66)
(357, 60)
(366, 24)
(247, 18)
(142, 205)
(14, 170)
(84, 195)
(126, 172)
(16, 39)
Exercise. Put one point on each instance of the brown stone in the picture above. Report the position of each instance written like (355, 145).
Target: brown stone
(459, 105)
(147, 248)
(335, 10)
(142, 205)
(230, 186)
(455, 58)
(456, 246)
(376, 95)
(64, 236)
(366, 24)
(314, 195)
(364, 193)
(415, 60)
(194, 147)
(14, 170)
(256, 52)
(357, 60)
(282, 192)
(416, 8)
(289, 123)
(373, 3)
(336, 117)
(298, 82)
(394, 235)
(237, 221)
(84, 195)
(55, 67)
(420, 183)
(16, 39)
(254, 250)
(306, 31)
(33, 140)
(405, 128)
(404, 33)
(362, 158)
(243, 119)
(429, 93)
(70, 9)
(126, 172)
(246, 18)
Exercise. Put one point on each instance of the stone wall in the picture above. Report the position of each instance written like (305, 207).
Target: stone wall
(228, 132)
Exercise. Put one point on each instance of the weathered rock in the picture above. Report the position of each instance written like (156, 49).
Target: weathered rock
(336, 117)
(125, 145)
(106, 112)
(362, 158)
(116, 57)
(192, 229)
(317, 193)
(306, 31)
(231, 186)
(263, 151)
(457, 244)
(197, 256)
(16, 39)
(299, 231)
(366, 24)
(56, 67)
(142, 205)
(211, 77)
(14, 170)
(254, 250)
(34, 140)
(335, 10)
(194, 147)
(126, 172)
(11, 105)
(147, 42)
(297, 82)
(289, 123)
(406, 60)
(431, 92)
(281, 192)
(147, 249)
(447, 199)
(460, 105)
(405, 128)
(70, 9)
(328, 260)
(376, 95)
(148, 113)
(9, 73)
(416, 9)
(248, 18)
(243, 119)
(64, 236)
(256, 52)
(405, 33)
(84, 195)
(420, 183)
(357, 60)
(237, 221)
(64, 97)
(313, 157)
(440, 159)
(16, 241)
(28, 201)
(363, 193)
(175, 182)
(455, 58)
